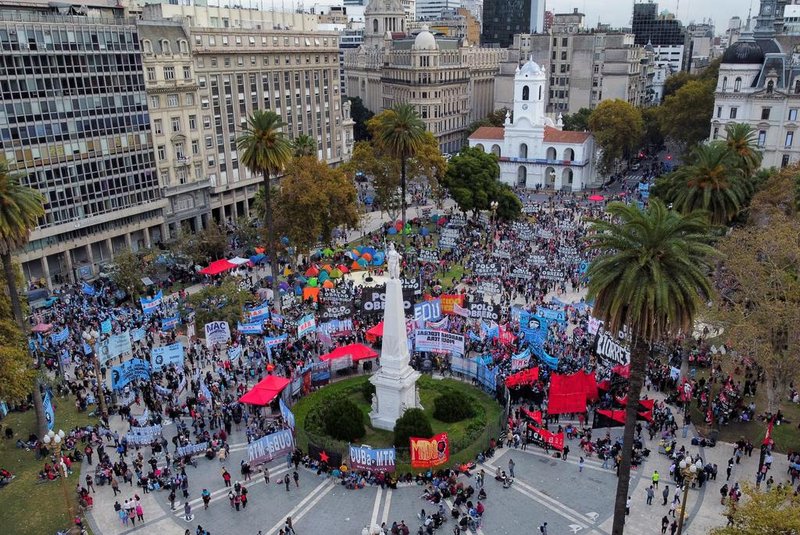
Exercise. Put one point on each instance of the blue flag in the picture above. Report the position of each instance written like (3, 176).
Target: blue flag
(49, 413)
(105, 326)
(87, 289)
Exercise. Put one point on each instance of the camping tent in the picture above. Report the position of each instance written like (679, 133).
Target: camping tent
(265, 391)
(356, 351)
(218, 266)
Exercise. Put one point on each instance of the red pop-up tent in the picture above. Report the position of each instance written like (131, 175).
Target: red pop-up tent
(265, 391)
(356, 351)
(218, 266)
(377, 330)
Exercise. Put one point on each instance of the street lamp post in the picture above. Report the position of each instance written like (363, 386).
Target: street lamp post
(91, 338)
(493, 205)
(54, 442)
(690, 472)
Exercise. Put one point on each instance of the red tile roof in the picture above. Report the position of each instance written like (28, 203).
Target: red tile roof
(554, 135)
(488, 132)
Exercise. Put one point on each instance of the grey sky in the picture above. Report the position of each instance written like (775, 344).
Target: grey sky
(619, 12)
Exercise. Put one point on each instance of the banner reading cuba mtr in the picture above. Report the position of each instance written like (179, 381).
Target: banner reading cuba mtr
(430, 452)
(366, 458)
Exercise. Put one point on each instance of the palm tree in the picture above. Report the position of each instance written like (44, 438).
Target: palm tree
(740, 140)
(710, 182)
(20, 209)
(264, 149)
(649, 278)
(401, 132)
(304, 145)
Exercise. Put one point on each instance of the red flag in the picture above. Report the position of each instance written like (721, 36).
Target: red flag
(768, 437)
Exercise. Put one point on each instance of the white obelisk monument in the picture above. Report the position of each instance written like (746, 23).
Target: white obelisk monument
(395, 382)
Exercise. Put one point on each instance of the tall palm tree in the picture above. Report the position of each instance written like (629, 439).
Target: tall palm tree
(740, 140)
(264, 149)
(20, 209)
(649, 278)
(304, 145)
(712, 182)
(401, 132)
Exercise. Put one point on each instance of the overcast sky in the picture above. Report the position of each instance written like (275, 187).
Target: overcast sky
(619, 12)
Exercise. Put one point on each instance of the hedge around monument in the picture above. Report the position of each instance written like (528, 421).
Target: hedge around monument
(452, 406)
(413, 423)
(343, 420)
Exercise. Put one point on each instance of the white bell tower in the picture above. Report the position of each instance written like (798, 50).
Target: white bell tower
(530, 84)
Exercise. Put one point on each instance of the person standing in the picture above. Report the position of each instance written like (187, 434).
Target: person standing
(296, 478)
(287, 527)
(650, 494)
(543, 529)
(172, 499)
(115, 485)
(88, 451)
(226, 477)
(665, 494)
(187, 512)
(664, 524)
(729, 469)
(286, 481)
(580, 464)
(655, 478)
(566, 452)
(139, 512)
(266, 475)
(511, 466)
(628, 506)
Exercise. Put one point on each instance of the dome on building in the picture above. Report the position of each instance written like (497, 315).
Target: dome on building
(743, 52)
(649, 46)
(530, 69)
(425, 40)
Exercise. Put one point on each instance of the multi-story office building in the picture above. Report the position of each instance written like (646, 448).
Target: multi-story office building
(240, 64)
(74, 124)
(457, 23)
(450, 84)
(502, 19)
(759, 84)
(584, 67)
(433, 9)
(669, 39)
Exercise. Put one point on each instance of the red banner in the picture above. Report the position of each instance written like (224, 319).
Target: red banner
(546, 439)
(448, 300)
(430, 452)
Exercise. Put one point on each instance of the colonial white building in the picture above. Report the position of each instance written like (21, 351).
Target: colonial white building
(535, 152)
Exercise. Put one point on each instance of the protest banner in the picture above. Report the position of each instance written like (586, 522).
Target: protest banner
(129, 371)
(427, 310)
(164, 356)
(429, 256)
(151, 304)
(270, 446)
(431, 340)
(373, 300)
(488, 288)
(275, 341)
(250, 328)
(485, 268)
(286, 413)
(449, 300)
(306, 325)
(217, 332)
(60, 337)
(143, 436)
(114, 346)
(610, 351)
(457, 220)
(258, 314)
(520, 272)
(552, 274)
(429, 452)
(47, 406)
(545, 438)
(537, 259)
(336, 310)
(483, 311)
(191, 449)
(336, 295)
(138, 335)
(521, 360)
(167, 324)
(552, 315)
(336, 327)
(374, 459)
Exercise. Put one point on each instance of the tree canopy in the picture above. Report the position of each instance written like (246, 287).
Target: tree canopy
(617, 127)
(203, 246)
(219, 303)
(578, 121)
(128, 270)
(685, 115)
(776, 512)
(361, 116)
(17, 377)
(472, 179)
(495, 118)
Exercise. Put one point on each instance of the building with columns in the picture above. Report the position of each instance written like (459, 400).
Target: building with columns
(534, 151)
(448, 80)
(75, 127)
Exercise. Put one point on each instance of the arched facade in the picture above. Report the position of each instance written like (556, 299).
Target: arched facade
(481, 147)
(551, 153)
(522, 176)
(496, 150)
(567, 178)
(523, 150)
(569, 155)
(549, 177)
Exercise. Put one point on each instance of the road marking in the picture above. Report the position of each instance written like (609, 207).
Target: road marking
(386, 506)
(318, 492)
(222, 492)
(376, 507)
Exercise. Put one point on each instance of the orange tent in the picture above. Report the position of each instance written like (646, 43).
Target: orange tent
(310, 293)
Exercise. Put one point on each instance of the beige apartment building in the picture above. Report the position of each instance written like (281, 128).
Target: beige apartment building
(450, 83)
(236, 63)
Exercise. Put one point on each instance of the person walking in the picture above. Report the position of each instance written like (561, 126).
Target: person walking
(565, 453)
(650, 494)
(115, 485)
(729, 469)
(287, 526)
(511, 466)
(628, 507)
(673, 527)
(543, 529)
(665, 494)
(664, 524)
(286, 481)
(266, 475)
(206, 498)
(187, 512)
(580, 464)
(296, 478)
(171, 498)
(139, 512)
(90, 483)
(226, 477)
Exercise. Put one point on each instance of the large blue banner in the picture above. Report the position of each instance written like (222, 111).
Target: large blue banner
(167, 324)
(250, 328)
(275, 340)
(164, 356)
(257, 315)
(129, 371)
(87, 289)
(287, 414)
(534, 327)
(138, 334)
(105, 326)
(49, 413)
(376, 460)
(61, 336)
(151, 304)
(269, 447)
(114, 346)
(551, 315)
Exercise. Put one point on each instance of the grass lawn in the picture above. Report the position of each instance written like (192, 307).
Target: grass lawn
(787, 436)
(464, 445)
(29, 507)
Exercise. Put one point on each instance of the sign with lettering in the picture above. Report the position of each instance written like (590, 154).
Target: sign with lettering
(485, 268)
(427, 310)
(429, 256)
(552, 274)
(270, 446)
(164, 356)
(335, 311)
(114, 346)
(611, 352)
(129, 371)
(412, 285)
(457, 220)
(545, 438)
(191, 449)
(439, 341)
(429, 452)
(484, 311)
(550, 314)
(217, 332)
(373, 300)
(489, 288)
(544, 234)
(337, 295)
(520, 272)
(530, 208)
(537, 260)
(376, 460)
(449, 301)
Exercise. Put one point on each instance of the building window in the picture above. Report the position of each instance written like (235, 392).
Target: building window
(765, 114)
(155, 102)
(176, 124)
(762, 138)
(193, 122)
(151, 74)
(724, 83)
(206, 121)
(789, 139)
(719, 112)
(733, 113)
(189, 99)
(157, 126)
(172, 101)
(785, 160)
(526, 93)
(737, 85)
(162, 152)
(563, 41)
(195, 147)
(564, 56)
(169, 73)
(187, 72)
(793, 114)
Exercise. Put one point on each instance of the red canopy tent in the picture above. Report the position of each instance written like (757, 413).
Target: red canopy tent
(265, 391)
(523, 377)
(356, 351)
(377, 330)
(218, 266)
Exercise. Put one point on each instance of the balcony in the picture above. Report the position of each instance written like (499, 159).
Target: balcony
(186, 187)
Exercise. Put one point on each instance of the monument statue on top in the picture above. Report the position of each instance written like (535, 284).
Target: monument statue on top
(395, 381)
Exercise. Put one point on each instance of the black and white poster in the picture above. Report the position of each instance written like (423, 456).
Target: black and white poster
(457, 220)
(288, 300)
(483, 311)
(537, 260)
(412, 286)
(429, 256)
(335, 311)
(335, 295)
(530, 208)
(484, 268)
(545, 234)
(373, 300)
(520, 272)
(502, 255)
(488, 288)
(610, 351)
(553, 274)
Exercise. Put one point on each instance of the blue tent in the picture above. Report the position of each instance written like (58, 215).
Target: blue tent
(255, 259)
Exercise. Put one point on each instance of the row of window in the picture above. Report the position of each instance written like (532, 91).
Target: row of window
(168, 73)
(766, 112)
(173, 100)
(251, 40)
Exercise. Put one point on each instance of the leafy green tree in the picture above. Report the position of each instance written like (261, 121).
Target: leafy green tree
(343, 420)
(384, 172)
(495, 118)
(128, 270)
(204, 246)
(247, 232)
(651, 133)
(651, 278)
(413, 423)
(673, 83)
(452, 407)
(617, 127)
(313, 200)
(472, 179)
(740, 140)
(265, 150)
(219, 303)
(686, 114)
(400, 132)
(776, 512)
(578, 121)
(708, 182)
(304, 145)
(361, 116)
(17, 378)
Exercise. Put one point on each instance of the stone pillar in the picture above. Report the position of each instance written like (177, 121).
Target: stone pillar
(198, 223)
(128, 240)
(68, 260)
(110, 246)
(90, 256)
(46, 272)
(147, 243)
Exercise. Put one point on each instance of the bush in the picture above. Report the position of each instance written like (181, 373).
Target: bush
(367, 389)
(453, 406)
(343, 419)
(413, 423)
